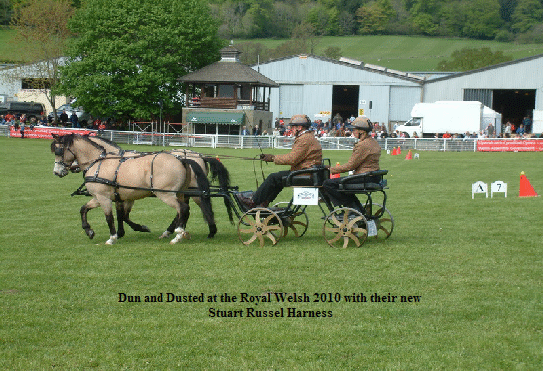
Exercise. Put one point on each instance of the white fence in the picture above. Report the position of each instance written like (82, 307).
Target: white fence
(249, 141)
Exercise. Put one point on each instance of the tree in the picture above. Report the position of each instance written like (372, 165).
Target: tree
(305, 35)
(5, 12)
(41, 27)
(374, 17)
(527, 14)
(482, 19)
(472, 58)
(129, 55)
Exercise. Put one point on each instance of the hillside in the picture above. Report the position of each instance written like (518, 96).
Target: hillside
(405, 53)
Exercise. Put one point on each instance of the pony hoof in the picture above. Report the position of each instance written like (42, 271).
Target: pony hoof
(210, 235)
(145, 229)
(111, 240)
(164, 235)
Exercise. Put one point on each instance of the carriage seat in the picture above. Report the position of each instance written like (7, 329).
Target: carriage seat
(365, 182)
(311, 177)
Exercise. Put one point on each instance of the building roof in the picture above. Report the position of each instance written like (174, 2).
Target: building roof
(228, 70)
(358, 65)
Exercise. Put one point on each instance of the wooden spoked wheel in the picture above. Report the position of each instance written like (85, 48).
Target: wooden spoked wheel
(384, 225)
(344, 227)
(296, 221)
(259, 225)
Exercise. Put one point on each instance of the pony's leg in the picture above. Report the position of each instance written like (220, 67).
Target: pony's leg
(135, 226)
(121, 213)
(209, 218)
(180, 220)
(183, 216)
(107, 207)
(92, 204)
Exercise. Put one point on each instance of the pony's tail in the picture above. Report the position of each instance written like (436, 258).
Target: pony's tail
(204, 187)
(219, 171)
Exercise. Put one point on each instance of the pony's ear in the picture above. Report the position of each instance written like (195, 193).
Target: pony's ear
(55, 136)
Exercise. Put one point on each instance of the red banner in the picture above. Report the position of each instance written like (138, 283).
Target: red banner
(46, 132)
(514, 145)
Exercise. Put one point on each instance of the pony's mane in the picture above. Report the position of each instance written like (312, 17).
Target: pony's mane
(68, 140)
(105, 140)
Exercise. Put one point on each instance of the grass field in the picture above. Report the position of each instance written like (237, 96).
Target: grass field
(475, 264)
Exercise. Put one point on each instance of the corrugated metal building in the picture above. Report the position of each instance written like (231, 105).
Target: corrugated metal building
(514, 89)
(314, 85)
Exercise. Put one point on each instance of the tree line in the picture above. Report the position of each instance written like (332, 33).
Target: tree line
(501, 20)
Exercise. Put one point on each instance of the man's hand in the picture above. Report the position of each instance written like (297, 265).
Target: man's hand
(267, 158)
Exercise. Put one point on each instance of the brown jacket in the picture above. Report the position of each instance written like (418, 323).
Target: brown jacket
(306, 152)
(365, 157)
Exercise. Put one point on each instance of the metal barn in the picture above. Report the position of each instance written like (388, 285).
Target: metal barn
(315, 85)
(514, 89)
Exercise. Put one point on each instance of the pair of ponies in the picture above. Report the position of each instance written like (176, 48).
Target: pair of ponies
(114, 175)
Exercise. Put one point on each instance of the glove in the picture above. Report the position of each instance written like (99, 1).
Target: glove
(267, 158)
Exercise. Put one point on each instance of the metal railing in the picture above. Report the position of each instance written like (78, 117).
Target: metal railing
(268, 141)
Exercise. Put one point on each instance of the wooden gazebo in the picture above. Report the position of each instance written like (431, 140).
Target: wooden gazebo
(228, 84)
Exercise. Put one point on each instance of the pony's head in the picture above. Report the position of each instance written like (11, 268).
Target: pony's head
(64, 156)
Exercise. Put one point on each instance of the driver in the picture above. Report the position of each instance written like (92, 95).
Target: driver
(365, 157)
(306, 152)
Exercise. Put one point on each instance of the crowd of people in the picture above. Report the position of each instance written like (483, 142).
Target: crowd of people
(336, 127)
(22, 122)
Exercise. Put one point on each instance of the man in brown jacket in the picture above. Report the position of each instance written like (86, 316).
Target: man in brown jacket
(365, 157)
(306, 152)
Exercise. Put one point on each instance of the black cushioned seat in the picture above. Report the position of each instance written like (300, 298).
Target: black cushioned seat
(312, 177)
(370, 181)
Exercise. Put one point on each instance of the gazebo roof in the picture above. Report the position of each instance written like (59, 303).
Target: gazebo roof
(228, 70)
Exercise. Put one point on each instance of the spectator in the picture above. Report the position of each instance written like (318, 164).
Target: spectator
(63, 118)
(74, 120)
(244, 131)
(527, 122)
(507, 129)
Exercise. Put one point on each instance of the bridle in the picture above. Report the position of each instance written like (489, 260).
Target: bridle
(60, 151)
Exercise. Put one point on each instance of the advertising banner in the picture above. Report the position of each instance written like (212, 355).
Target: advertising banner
(46, 132)
(514, 145)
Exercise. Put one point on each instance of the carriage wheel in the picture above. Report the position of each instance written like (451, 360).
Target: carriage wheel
(384, 225)
(258, 224)
(297, 221)
(343, 226)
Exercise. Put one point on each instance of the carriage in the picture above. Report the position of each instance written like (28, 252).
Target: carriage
(342, 227)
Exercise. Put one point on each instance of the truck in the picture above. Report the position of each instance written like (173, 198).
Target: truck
(455, 117)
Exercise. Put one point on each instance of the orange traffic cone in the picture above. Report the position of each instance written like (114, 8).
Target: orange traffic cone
(218, 159)
(399, 152)
(394, 151)
(334, 176)
(526, 189)
(409, 155)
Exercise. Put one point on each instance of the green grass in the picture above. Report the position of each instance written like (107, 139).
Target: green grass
(408, 53)
(475, 263)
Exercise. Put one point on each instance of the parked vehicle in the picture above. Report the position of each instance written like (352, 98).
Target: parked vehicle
(30, 109)
(454, 117)
(81, 114)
